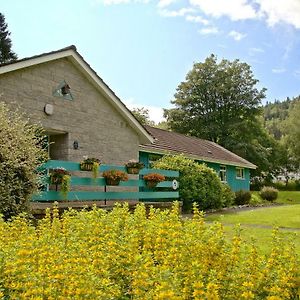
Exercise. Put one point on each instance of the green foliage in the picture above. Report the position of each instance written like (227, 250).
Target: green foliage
(242, 197)
(219, 101)
(142, 115)
(282, 122)
(292, 185)
(65, 185)
(275, 114)
(197, 182)
(292, 130)
(228, 195)
(20, 154)
(6, 54)
(255, 200)
(142, 255)
(268, 193)
(215, 99)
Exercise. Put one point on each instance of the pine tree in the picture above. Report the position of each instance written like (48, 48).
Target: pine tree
(6, 54)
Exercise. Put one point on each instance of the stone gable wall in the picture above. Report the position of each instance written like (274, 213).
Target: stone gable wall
(89, 119)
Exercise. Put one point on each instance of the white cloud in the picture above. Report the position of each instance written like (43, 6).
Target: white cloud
(209, 30)
(236, 35)
(234, 9)
(297, 73)
(222, 46)
(156, 113)
(273, 11)
(175, 13)
(276, 11)
(197, 19)
(253, 51)
(116, 2)
(278, 70)
(165, 3)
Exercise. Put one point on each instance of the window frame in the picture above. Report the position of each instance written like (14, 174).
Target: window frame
(237, 175)
(223, 171)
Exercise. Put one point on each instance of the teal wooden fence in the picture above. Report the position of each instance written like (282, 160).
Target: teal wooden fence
(163, 190)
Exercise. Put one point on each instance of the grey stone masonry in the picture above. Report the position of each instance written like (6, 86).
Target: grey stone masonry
(90, 119)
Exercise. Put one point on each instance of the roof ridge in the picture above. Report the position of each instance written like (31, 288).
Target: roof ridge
(178, 133)
(204, 149)
(71, 47)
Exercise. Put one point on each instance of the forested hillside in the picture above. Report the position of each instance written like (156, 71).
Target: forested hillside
(276, 114)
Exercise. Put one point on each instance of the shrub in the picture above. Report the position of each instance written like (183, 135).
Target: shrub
(127, 255)
(197, 182)
(255, 200)
(20, 154)
(228, 195)
(292, 185)
(242, 197)
(269, 193)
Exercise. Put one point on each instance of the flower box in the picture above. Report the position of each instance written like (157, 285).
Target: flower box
(113, 177)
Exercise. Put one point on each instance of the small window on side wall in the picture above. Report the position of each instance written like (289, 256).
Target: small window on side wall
(63, 90)
(240, 174)
(222, 174)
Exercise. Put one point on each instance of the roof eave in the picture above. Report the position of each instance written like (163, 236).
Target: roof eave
(205, 159)
(115, 101)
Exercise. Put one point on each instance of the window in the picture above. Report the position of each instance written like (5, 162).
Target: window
(222, 174)
(240, 174)
(63, 90)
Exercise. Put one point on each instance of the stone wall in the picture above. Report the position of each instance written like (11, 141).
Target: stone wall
(89, 118)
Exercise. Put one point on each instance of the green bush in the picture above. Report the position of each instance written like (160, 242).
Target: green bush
(292, 185)
(255, 200)
(242, 197)
(269, 193)
(228, 195)
(20, 154)
(197, 182)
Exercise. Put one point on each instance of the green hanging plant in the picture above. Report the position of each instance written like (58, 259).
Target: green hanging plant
(65, 186)
(90, 164)
(95, 169)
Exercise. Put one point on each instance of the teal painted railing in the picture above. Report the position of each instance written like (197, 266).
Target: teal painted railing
(135, 181)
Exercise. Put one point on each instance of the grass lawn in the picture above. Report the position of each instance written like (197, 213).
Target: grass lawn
(258, 223)
(287, 197)
(281, 216)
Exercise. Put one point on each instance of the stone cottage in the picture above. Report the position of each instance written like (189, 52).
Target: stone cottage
(79, 112)
(82, 116)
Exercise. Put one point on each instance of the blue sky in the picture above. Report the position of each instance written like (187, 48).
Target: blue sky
(143, 48)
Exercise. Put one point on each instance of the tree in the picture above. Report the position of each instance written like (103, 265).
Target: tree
(292, 130)
(220, 102)
(6, 54)
(142, 114)
(21, 152)
(215, 99)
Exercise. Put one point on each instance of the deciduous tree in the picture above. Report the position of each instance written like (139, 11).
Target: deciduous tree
(219, 101)
(142, 114)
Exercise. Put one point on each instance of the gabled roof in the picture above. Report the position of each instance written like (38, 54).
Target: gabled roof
(176, 143)
(73, 56)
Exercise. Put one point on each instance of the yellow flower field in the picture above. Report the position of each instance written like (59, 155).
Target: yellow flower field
(122, 255)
